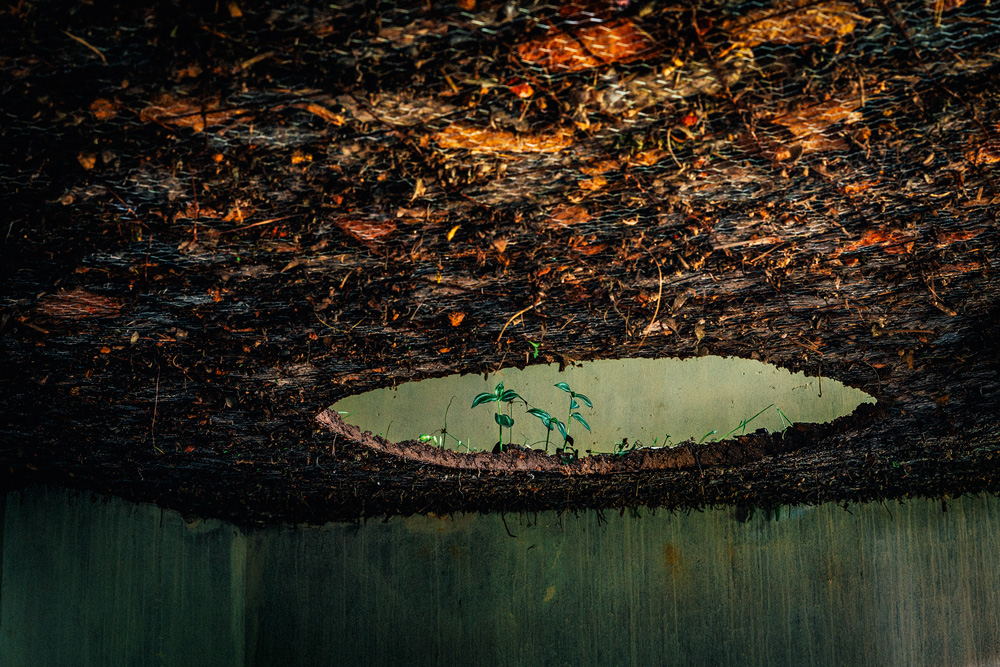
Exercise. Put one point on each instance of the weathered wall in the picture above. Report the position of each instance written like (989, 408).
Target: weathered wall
(96, 582)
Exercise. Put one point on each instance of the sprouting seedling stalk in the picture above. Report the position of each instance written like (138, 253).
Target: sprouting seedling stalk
(498, 396)
(743, 423)
(789, 421)
(573, 405)
(550, 423)
(444, 429)
(706, 435)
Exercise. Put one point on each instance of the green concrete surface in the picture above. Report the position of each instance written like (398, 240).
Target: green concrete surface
(93, 581)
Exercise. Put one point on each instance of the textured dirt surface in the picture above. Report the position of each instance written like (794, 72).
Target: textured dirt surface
(220, 219)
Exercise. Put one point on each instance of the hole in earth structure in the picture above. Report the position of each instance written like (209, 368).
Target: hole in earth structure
(625, 403)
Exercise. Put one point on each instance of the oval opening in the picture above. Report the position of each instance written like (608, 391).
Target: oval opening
(634, 403)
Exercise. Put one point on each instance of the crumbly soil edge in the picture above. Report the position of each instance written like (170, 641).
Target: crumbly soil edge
(688, 456)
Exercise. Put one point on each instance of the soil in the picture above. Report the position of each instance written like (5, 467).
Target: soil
(220, 219)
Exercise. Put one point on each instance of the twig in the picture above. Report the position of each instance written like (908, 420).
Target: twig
(88, 45)
(156, 402)
(514, 316)
(659, 296)
(256, 224)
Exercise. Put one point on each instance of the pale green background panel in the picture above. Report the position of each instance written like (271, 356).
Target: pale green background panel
(638, 399)
(88, 582)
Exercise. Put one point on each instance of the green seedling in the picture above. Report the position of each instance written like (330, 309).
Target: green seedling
(666, 441)
(624, 447)
(573, 405)
(742, 426)
(441, 440)
(534, 348)
(786, 419)
(498, 396)
(706, 435)
(550, 423)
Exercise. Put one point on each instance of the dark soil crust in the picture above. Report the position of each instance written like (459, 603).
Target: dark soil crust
(219, 220)
(728, 453)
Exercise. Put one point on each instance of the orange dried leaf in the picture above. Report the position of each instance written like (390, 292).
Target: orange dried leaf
(87, 160)
(456, 318)
(591, 46)
(895, 242)
(599, 167)
(595, 183)
(564, 216)
(861, 186)
(947, 238)
(103, 109)
(324, 113)
(988, 153)
(367, 230)
(186, 112)
(486, 140)
(522, 90)
(792, 23)
(78, 304)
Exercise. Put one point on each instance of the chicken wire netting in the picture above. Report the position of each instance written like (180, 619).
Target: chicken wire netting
(777, 139)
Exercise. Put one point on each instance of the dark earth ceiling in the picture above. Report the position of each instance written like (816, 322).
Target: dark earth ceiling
(220, 218)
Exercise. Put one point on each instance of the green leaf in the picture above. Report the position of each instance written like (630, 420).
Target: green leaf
(504, 420)
(561, 427)
(586, 401)
(576, 416)
(564, 387)
(483, 398)
(499, 390)
(573, 405)
(541, 414)
(509, 395)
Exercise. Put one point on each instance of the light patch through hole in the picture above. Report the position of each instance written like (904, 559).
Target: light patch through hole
(649, 402)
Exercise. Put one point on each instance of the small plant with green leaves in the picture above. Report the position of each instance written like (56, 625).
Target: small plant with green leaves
(573, 405)
(498, 396)
(624, 447)
(550, 423)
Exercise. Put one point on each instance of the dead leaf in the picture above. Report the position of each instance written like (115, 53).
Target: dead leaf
(324, 113)
(486, 140)
(595, 183)
(187, 112)
(564, 215)
(367, 230)
(78, 304)
(522, 90)
(590, 46)
(947, 238)
(103, 109)
(795, 23)
(419, 189)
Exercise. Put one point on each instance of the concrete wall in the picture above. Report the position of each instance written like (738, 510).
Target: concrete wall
(95, 582)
